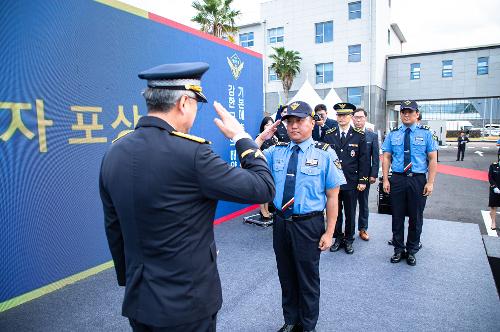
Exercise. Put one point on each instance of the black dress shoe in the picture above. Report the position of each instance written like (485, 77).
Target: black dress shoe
(396, 258)
(348, 248)
(336, 245)
(411, 260)
(289, 328)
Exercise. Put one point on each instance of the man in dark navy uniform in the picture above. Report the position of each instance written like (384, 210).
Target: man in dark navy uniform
(350, 145)
(307, 176)
(411, 152)
(323, 123)
(159, 188)
(462, 141)
(373, 163)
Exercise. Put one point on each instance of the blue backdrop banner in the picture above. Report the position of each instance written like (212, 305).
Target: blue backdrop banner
(69, 86)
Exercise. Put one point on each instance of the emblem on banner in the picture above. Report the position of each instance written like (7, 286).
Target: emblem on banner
(236, 65)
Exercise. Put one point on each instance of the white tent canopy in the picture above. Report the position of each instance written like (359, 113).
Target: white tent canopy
(308, 94)
(331, 99)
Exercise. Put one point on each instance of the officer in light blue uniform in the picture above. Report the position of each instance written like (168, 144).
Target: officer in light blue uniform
(307, 176)
(412, 153)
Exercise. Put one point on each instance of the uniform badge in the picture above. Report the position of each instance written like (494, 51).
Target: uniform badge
(353, 153)
(354, 145)
(338, 164)
(312, 162)
(419, 139)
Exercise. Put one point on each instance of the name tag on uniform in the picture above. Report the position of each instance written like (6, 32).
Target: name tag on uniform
(355, 145)
(312, 162)
(419, 139)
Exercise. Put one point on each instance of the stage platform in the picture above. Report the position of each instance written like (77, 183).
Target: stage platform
(450, 289)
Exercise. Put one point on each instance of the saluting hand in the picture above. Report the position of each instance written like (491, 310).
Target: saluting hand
(269, 132)
(325, 242)
(227, 123)
(429, 187)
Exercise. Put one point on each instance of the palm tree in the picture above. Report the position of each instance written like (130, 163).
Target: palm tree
(216, 17)
(286, 64)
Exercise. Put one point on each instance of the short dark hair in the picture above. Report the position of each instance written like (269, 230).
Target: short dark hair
(320, 107)
(361, 110)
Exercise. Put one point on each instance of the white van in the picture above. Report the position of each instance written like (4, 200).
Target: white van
(491, 129)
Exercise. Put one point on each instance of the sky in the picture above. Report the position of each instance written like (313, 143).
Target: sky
(426, 24)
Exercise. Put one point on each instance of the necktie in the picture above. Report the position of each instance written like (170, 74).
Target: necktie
(407, 151)
(342, 138)
(289, 189)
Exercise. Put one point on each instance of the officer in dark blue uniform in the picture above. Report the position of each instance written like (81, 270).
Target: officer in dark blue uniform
(350, 145)
(159, 188)
(373, 163)
(411, 151)
(281, 132)
(307, 176)
(323, 122)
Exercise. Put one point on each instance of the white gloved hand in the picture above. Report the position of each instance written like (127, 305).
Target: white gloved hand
(496, 190)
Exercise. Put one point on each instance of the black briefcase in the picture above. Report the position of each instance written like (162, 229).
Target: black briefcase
(384, 199)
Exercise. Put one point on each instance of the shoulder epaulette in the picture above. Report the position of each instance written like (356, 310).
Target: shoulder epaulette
(321, 145)
(359, 130)
(426, 127)
(122, 134)
(190, 137)
(282, 143)
(329, 131)
(395, 129)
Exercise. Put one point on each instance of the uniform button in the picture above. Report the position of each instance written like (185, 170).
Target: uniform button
(341, 150)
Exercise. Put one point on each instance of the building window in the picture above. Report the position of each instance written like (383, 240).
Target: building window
(246, 39)
(324, 32)
(324, 72)
(275, 35)
(482, 65)
(389, 36)
(447, 68)
(354, 10)
(354, 53)
(354, 95)
(271, 74)
(415, 71)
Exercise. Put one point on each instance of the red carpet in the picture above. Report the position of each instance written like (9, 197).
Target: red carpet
(463, 172)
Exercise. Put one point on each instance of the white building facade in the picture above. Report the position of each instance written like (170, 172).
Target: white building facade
(451, 85)
(343, 44)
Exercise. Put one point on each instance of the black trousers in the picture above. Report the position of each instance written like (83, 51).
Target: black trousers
(407, 197)
(295, 244)
(207, 324)
(347, 202)
(461, 151)
(363, 208)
